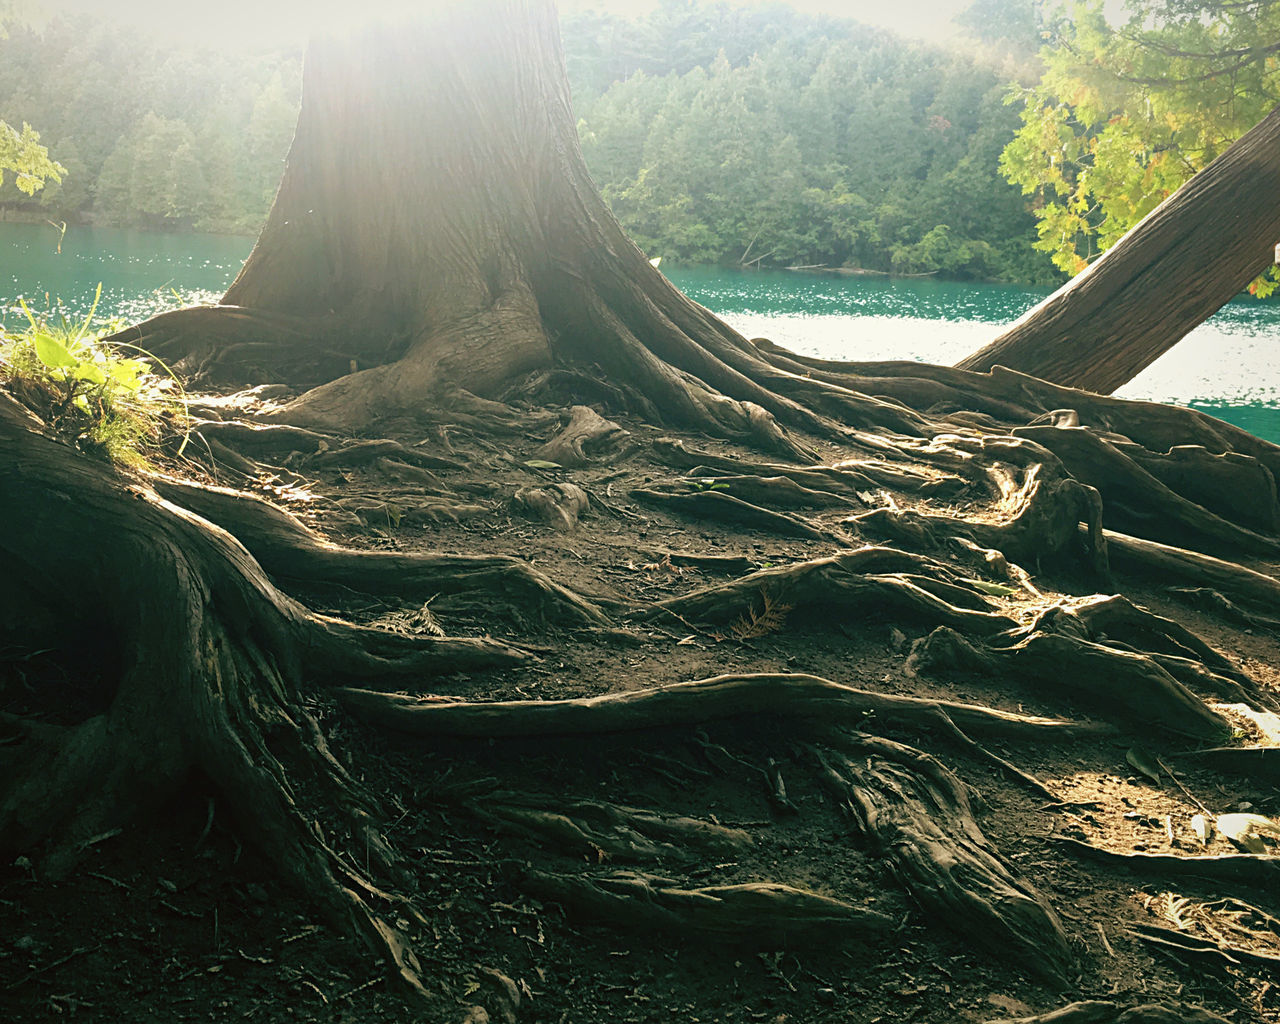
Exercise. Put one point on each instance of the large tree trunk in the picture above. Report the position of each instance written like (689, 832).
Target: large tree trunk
(1171, 272)
(436, 228)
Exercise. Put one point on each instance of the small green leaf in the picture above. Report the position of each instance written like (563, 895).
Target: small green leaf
(51, 352)
(90, 373)
(126, 372)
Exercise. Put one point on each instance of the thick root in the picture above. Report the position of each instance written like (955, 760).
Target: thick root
(1063, 667)
(870, 579)
(1255, 870)
(916, 814)
(586, 435)
(597, 830)
(686, 704)
(291, 552)
(763, 915)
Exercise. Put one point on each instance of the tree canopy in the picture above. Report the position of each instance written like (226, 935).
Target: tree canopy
(186, 139)
(1126, 113)
(717, 133)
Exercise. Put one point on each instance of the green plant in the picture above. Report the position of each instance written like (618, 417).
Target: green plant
(104, 398)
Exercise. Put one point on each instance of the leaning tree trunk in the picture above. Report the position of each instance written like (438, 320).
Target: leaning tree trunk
(1171, 272)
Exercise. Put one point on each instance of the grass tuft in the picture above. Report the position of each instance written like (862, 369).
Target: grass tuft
(108, 400)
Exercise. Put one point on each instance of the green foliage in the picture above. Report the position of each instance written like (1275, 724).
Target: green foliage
(22, 154)
(181, 140)
(1126, 113)
(105, 399)
(766, 137)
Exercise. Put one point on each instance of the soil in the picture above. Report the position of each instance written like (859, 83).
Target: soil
(182, 919)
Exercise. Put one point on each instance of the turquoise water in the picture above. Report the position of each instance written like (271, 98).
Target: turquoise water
(1229, 366)
(138, 270)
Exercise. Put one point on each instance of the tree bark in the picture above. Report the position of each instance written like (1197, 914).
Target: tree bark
(1171, 272)
(435, 196)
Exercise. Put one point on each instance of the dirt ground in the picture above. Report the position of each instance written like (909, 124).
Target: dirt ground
(182, 919)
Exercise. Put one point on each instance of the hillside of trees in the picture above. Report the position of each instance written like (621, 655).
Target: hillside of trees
(717, 134)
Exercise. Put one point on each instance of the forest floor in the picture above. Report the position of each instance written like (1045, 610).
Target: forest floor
(181, 919)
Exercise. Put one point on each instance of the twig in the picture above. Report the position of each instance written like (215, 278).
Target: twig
(1105, 942)
(78, 951)
(359, 988)
(1185, 792)
(1030, 781)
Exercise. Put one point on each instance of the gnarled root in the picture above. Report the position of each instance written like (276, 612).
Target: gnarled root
(586, 435)
(211, 660)
(1034, 517)
(685, 704)
(916, 814)
(288, 550)
(870, 578)
(1077, 649)
(760, 914)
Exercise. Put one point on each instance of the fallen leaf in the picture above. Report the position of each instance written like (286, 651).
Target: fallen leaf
(1143, 762)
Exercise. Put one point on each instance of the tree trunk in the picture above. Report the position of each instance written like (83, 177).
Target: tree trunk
(1171, 272)
(435, 199)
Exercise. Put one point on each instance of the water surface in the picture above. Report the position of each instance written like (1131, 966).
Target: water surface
(1229, 366)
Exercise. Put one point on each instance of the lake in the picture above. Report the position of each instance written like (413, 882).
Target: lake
(1229, 366)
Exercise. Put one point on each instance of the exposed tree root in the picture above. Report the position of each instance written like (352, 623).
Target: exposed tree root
(1044, 654)
(1190, 569)
(1195, 948)
(870, 578)
(213, 658)
(686, 704)
(1099, 1012)
(755, 914)
(612, 831)
(846, 477)
(1253, 869)
(288, 550)
(917, 815)
(994, 477)
(557, 505)
(587, 434)
(1136, 501)
(1029, 782)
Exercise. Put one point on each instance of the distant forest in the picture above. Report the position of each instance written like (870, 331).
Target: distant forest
(718, 134)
